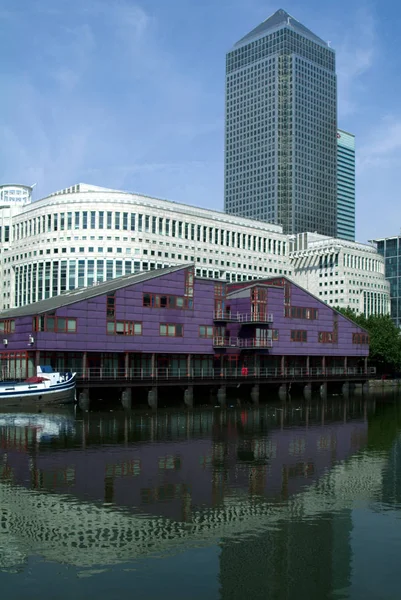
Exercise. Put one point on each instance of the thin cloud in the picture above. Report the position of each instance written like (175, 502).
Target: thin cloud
(356, 55)
(383, 147)
(104, 89)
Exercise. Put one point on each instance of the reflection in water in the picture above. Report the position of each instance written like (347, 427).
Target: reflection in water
(273, 488)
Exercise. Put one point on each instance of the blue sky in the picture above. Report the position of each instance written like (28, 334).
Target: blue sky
(130, 94)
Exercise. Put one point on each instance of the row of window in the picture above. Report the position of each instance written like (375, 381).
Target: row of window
(124, 328)
(299, 312)
(69, 325)
(327, 337)
(171, 329)
(54, 324)
(7, 326)
(360, 338)
(38, 281)
(299, 335)
(164, 301)
(147, 224)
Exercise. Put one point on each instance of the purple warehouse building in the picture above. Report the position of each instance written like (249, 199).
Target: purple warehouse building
(168, 323)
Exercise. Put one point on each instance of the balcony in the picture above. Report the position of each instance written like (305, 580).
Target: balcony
(249, 319)
(250, 343)
(255, 344)
(266, 373)
(224, 316)
(224, 342)
(245, 319)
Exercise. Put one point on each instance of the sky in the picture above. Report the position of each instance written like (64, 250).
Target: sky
(129, 95)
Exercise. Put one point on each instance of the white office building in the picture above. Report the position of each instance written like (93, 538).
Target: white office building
(340, 272)
(85, 234)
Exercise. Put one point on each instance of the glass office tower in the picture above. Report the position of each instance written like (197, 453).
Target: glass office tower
(281, 127)
(390, 248)
(345, 185)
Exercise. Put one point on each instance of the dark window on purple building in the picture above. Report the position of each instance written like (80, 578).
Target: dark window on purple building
(299, 312)
(171, 329)
(299, 335)
(325, 337)
(124, 328)
(360, 338)
(205, 331)
(162, 301)
(54, 324)
(7, 326)
(111, 306)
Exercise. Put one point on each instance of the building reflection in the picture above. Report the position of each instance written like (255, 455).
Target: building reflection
(111, 488)
(312, 557)
(296, 559)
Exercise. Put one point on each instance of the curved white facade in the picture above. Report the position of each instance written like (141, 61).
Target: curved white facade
(15, 194)
(86, 234)
(341, 273)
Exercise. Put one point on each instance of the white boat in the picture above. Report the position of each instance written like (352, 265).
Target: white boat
(47, 387)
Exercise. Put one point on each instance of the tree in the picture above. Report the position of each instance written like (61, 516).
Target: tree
(384, 339)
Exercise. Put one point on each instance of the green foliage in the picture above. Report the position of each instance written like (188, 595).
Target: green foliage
(384, 336)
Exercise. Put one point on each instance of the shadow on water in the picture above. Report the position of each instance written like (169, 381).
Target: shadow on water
(271, 489)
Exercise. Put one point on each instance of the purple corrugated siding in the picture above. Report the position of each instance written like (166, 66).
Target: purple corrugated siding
(324, 322)
(91, 323)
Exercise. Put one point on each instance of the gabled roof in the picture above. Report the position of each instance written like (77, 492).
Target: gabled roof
(237, 288)
(73, 296)
(275, 283)
(279, 19)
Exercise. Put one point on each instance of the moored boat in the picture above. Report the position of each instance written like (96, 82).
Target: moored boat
(46, 387)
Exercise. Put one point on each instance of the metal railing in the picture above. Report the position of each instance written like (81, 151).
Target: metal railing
(227, 342)
(222, 315)
(254, 343)
(162, 373)
(251, 318)
(224, 342)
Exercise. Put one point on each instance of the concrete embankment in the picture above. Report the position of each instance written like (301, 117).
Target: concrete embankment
(384, 384)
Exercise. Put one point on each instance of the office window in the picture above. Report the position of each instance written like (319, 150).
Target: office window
(296, 312)
(360, 338)
(171, 329)
(166, 301)
(7, 326)
(325, 337)
(205, 331)
(55, 324)
(124, 328)
(110, 304)
(298, 335)
(109, 216)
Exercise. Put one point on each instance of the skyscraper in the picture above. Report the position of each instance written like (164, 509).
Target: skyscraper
(390, 248)
(345, 185)
(281, 127)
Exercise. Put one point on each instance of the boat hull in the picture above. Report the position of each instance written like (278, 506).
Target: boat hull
(54, 398)
(37, 395)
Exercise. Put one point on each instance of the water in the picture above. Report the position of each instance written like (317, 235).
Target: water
(281, 502)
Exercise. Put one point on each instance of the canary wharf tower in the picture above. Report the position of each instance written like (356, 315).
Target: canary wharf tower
(281, 127)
